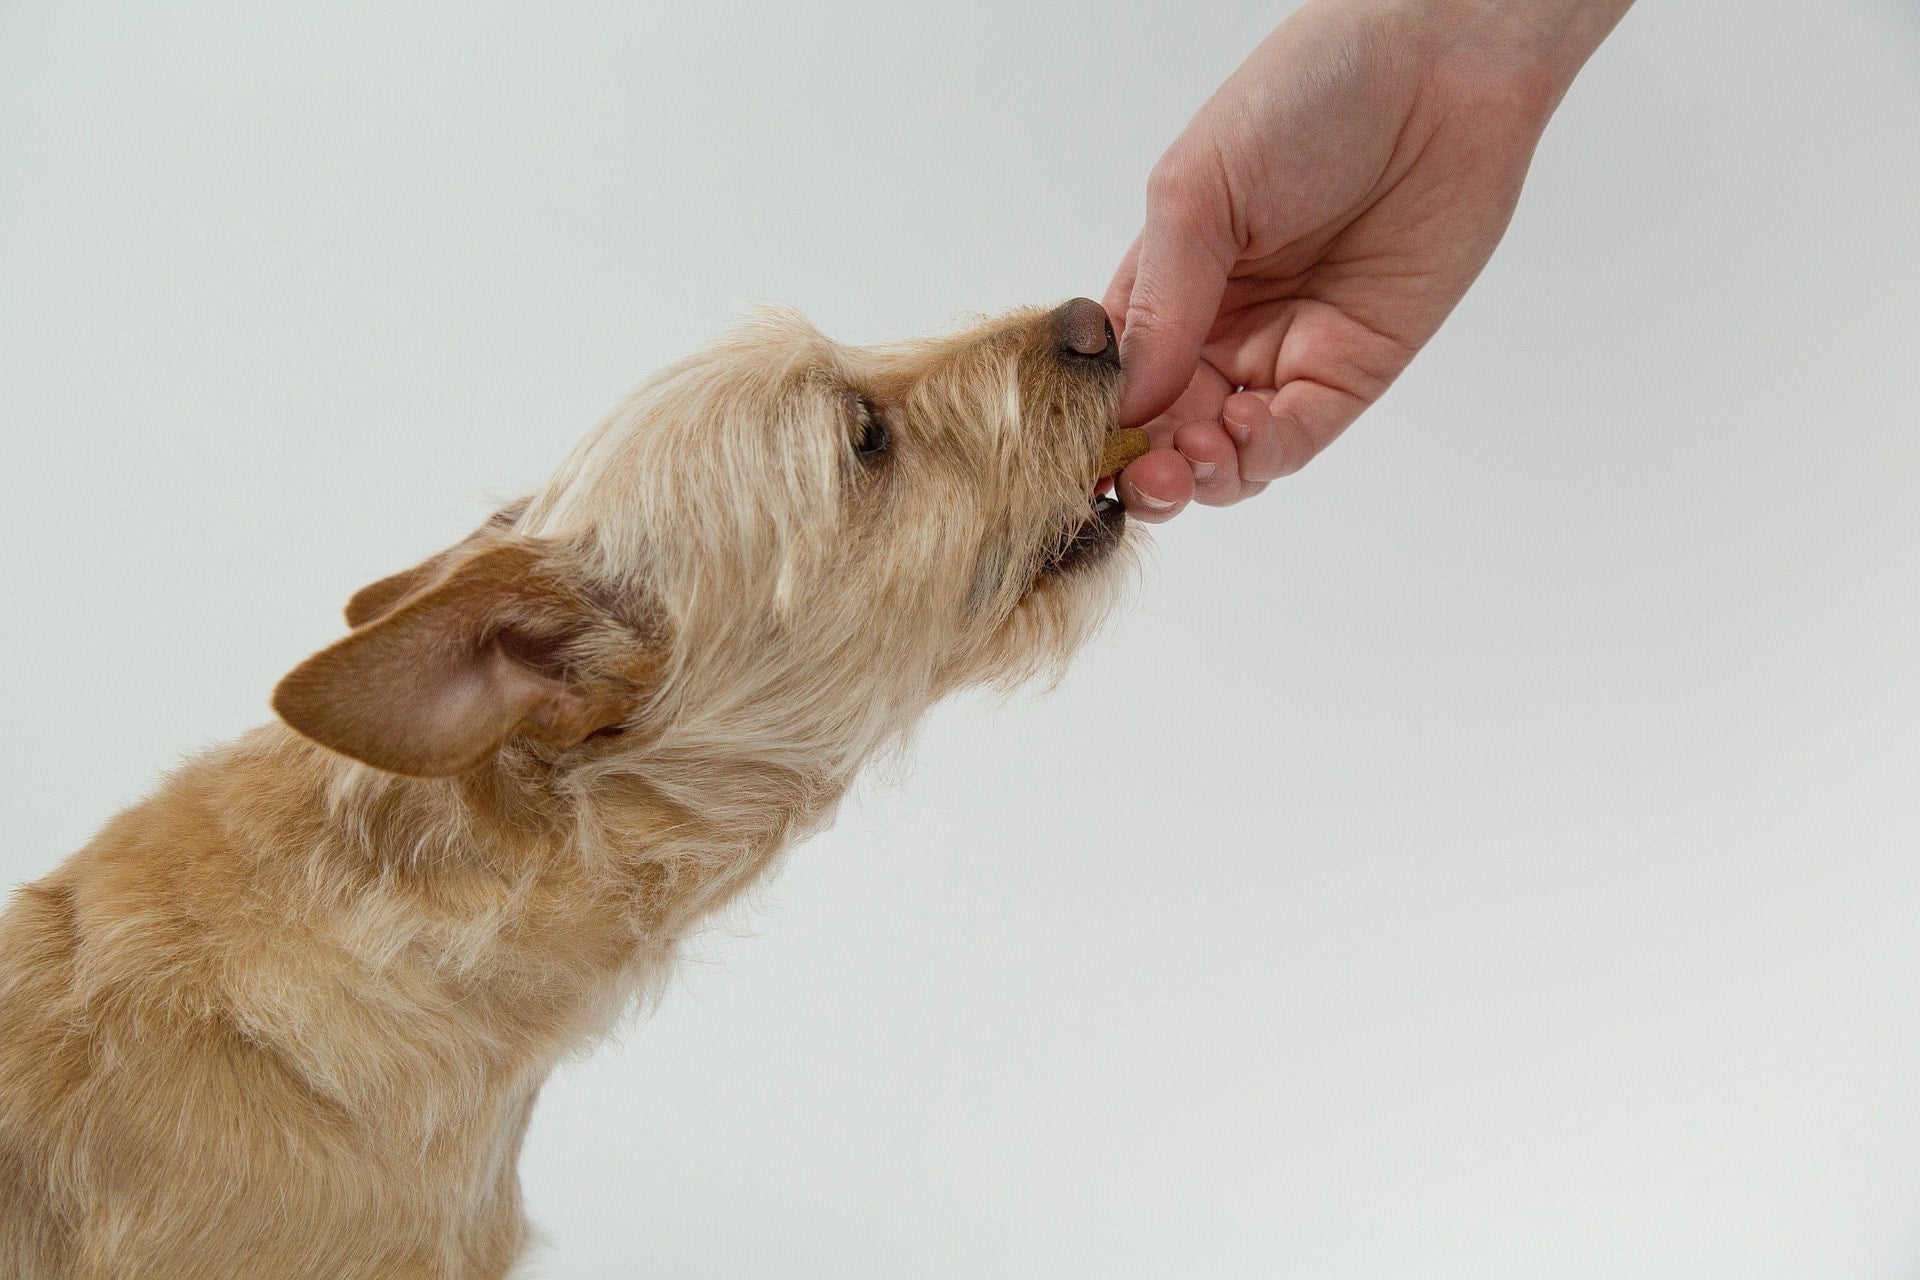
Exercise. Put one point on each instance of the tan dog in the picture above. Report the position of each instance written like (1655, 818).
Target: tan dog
(287, 1018)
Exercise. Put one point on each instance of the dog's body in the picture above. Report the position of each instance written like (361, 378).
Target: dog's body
(288, 1017)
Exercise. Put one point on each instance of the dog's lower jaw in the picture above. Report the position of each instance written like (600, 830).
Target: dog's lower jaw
(288, 1016)
(1090, 541)
(1062, 608)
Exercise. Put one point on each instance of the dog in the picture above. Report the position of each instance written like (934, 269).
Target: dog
(288, 1016)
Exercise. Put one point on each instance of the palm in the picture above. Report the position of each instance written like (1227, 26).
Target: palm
(1356, 212)
(1347, 305)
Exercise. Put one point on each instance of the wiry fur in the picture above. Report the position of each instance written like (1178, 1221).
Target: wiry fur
(288, 1016)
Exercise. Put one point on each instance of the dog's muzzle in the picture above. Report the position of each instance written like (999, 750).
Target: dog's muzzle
(1083, 336)
(1092, 538)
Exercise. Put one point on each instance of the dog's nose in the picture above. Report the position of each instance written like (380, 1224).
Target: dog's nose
(1085, 333)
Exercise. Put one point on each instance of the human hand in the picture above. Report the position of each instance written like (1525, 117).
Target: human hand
(1317, 221)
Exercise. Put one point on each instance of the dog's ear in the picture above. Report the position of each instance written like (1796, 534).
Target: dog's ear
(497, 644)
(379, 598)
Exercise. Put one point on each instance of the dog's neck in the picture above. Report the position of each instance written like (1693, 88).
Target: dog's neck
(483, 927)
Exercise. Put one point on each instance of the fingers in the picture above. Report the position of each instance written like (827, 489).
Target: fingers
(1216, 467)
(1156, 485)
(1260, 437)
(1120, 289)
(1307, 416)
(1236, 456)
(1227, 468)
(1179, 273)
(1258, 441)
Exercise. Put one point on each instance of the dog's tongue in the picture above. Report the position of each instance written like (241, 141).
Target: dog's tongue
(1124, 444)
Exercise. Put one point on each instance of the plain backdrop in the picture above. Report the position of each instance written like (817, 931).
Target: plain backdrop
(1494, 852)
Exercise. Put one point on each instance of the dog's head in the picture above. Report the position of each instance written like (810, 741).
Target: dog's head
(780, 546)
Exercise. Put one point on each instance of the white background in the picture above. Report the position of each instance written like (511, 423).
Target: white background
(1494, 852)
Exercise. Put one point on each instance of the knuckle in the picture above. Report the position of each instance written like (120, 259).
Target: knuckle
(1178, 186)
(1272, 452)
(1143, 314)
(1297, 445)
(1167, 181)
(1226, 491)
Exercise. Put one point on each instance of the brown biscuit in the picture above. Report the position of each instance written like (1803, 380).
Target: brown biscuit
(1124, 444)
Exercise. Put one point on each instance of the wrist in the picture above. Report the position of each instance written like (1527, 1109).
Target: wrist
(1542, 43)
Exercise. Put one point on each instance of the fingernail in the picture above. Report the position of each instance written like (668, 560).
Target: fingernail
(1240, 431)
(1203, 471)
(1147, 500)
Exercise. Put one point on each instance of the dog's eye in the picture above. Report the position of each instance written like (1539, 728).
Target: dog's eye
(875, 434)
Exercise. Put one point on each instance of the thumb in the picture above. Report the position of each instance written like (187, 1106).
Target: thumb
(1180, 275)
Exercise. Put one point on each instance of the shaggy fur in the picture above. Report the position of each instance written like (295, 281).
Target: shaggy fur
(288, 1017)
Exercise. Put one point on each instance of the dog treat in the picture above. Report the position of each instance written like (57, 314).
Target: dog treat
(1124, 444)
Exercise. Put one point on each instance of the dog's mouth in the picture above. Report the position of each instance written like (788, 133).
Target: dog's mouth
(1090, 541)
(1094, 537)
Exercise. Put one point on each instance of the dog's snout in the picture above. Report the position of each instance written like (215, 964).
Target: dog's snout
(1084, 332)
